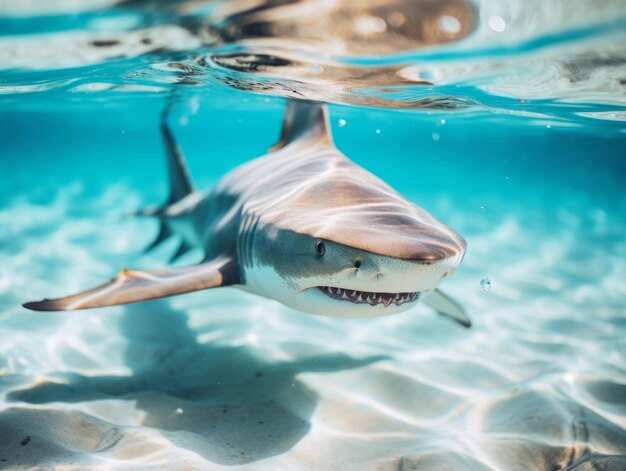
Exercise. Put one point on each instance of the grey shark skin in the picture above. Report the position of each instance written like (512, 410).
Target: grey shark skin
(303, 225)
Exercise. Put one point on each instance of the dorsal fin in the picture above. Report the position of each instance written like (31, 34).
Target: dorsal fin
(180, 182)
(305, 120)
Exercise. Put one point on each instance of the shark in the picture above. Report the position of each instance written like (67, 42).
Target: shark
(303, 225)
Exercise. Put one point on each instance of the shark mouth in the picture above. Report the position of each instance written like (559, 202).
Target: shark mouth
(366, 297)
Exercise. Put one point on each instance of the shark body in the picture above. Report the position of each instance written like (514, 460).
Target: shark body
(303, 225)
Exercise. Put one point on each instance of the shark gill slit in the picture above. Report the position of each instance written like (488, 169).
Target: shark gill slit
(246, 239)
(241, 256)
(241, 246)
(250, 239)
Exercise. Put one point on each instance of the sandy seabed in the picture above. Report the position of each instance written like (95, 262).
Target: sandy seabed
(225, 380)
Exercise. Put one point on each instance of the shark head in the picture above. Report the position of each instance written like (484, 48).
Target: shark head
(345, 244)
(334, 239)
(320, 276)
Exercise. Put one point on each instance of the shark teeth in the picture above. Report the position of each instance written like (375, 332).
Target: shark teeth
(373, 299)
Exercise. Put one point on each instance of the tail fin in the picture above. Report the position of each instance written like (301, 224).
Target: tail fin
(305, 120)
(180, 184)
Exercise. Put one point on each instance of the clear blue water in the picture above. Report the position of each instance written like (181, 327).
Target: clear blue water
(522, 152)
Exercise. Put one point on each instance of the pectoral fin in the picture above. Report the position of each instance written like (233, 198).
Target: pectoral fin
(448, 307)
(131, 286)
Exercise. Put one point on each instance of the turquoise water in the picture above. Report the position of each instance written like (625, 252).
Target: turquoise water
(518, 143)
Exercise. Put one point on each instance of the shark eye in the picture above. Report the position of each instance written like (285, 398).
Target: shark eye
(320, 248)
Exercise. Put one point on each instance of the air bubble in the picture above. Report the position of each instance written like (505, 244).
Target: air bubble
(367, 24)
(482, 209)
(449, 24)
(485, 284)
(378, 131)
(396, 18)
(497, 24)
(342, 123)
(436, 136)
